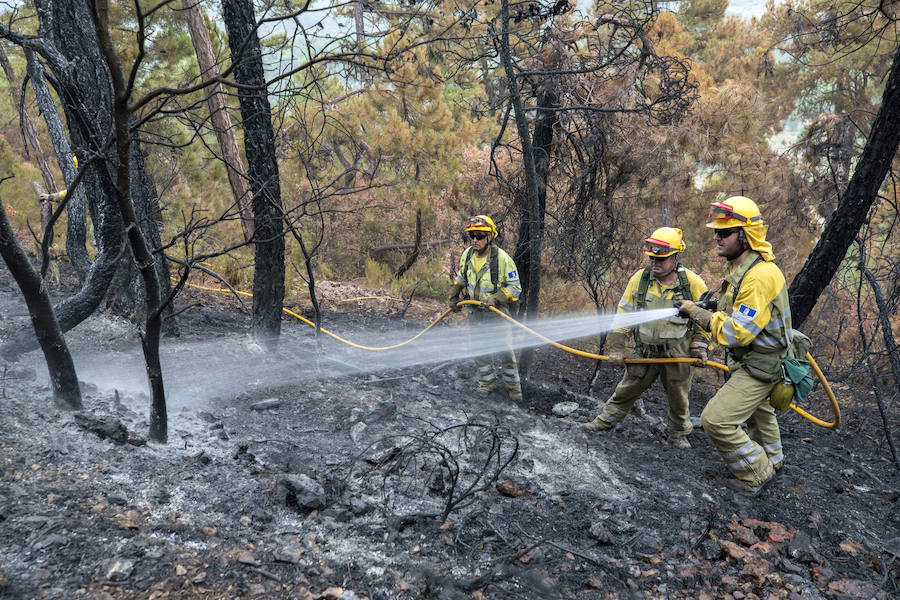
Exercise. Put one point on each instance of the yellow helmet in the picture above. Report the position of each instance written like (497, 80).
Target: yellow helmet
(737, 211)
(481, 223)
(664, 242)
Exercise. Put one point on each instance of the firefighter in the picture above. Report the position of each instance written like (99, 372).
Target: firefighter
(488, 274)
(753, 321)
(659, 285)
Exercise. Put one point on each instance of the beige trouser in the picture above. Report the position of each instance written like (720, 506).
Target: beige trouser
(676, 380)
(751, 456)
(505, 357)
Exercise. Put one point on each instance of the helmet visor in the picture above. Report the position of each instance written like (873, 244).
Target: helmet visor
(660, 248)
(719, 211)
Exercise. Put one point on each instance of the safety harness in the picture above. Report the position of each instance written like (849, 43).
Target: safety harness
(640, 295)
(640, 302)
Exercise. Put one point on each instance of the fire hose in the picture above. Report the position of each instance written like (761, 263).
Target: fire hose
(821, 376)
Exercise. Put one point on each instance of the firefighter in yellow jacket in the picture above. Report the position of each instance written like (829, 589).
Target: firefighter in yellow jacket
(658, 285)
(488, 274)
(753, 321)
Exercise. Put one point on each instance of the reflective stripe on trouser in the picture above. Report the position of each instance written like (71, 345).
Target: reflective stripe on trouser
(750, 455)
(676, 379)
(505, 358)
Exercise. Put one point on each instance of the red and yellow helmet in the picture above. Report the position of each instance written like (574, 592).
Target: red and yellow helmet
(737, 211)
(664, 242)
(481, 223)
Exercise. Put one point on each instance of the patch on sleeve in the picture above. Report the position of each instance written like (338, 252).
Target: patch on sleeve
(747, 311)
(512, 275)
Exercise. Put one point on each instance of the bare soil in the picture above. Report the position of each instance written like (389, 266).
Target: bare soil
(406, 484)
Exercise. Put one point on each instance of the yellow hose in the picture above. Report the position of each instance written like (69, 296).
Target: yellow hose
(803, 413)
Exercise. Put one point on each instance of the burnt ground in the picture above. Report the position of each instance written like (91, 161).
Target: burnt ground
(333, 486)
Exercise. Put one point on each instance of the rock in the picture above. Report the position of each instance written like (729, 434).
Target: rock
(382, 452)
(104, 427)
(137, 440)
(301, 492)
(266, 404)
(118, 569)
(600, 533)
(800, 549)
(852, 588)
(710, 550)
(564, 409)
(647, 544)
(511, 489)
(48, 541)
(356, 431)
(743, 534)
(289, 554)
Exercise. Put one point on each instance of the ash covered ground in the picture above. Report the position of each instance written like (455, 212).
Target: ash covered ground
(286, 477)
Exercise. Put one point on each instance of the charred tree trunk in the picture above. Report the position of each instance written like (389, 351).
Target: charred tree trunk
(532, 215)
(259, 146)
(46, 328)
(139, 246)
(76, 203)
(853, 208)
(218, 114)
(68, 43)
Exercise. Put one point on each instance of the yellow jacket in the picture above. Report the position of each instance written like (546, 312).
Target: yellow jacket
(759, 318)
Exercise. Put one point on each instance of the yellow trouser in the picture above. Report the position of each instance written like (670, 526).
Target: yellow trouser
(676, 379)
(484, 364)
(744, 399)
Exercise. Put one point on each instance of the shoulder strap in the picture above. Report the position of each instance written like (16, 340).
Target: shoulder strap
(495, 267)
(738, 286)
(684, 286)
(640, 295)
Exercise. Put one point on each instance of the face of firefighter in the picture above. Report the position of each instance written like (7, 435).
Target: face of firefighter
(729, 244)
(663, 268)
(479, 240)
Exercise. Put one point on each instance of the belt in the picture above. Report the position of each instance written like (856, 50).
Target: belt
(656, 348)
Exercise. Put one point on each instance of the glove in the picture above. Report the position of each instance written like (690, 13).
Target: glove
(698, 351)
(699, 315)
(454, 297)
(616, 359)
(498, 299)
(615, 344)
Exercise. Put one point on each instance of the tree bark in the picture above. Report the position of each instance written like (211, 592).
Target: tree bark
(76, 203)
(259, 146)
(221, 120)
(139, 246)
(531, 214)
(59, 361)
(853, 208)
